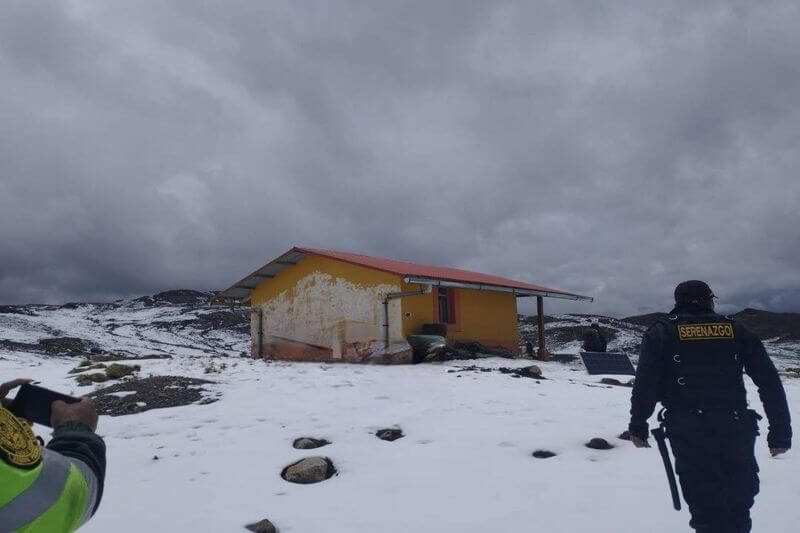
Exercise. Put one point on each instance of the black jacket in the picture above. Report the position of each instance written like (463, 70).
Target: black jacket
(653, 374)
(594, 341)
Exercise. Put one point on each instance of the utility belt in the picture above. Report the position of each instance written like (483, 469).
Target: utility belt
(717, 411)
(661, 433)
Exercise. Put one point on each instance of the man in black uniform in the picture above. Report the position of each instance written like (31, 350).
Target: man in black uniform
(594, 340)
(692, 362)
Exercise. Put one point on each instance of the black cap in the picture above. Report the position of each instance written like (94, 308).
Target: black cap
(692, 291)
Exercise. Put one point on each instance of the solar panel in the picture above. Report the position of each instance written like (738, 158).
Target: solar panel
(607, 363)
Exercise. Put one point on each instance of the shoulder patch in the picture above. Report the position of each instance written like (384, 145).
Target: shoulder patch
(18, 445)
(699, 332)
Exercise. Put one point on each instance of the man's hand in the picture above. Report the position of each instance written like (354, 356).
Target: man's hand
(83, 412)
(7, 387)
(777, 451)
(639, 443)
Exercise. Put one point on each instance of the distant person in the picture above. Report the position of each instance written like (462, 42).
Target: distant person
(594, 340)
(53, 489)
(693, 361)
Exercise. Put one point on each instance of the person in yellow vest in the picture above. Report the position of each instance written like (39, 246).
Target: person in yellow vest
(56, 488)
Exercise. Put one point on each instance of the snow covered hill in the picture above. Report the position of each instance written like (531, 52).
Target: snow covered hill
(182, 323)
(780, 331)
(170, 323)
(200, 435)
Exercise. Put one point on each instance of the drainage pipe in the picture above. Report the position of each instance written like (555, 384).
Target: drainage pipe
(427, 289)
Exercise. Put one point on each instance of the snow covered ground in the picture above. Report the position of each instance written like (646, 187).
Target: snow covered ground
(464, 465)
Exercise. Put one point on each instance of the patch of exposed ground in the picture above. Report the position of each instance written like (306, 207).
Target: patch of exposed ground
(156, 392)
(54, 346)
(532, 371)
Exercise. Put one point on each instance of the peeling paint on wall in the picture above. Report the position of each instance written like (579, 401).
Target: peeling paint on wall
(331, 314)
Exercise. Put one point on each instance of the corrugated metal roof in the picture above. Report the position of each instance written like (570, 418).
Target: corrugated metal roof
(405, 268)
(241, 290)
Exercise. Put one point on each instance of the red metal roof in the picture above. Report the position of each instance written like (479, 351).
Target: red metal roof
(404, 268)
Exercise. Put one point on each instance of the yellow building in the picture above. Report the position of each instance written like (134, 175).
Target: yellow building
(322, 305)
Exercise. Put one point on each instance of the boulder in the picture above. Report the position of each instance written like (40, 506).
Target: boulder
(599, 444)
(532, 371)
(263, 526)
(309, 443)
(309, 470)
(390, 434)
(543, 454)
(616, 382)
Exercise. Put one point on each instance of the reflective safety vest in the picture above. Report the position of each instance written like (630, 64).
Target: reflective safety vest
(57, 495)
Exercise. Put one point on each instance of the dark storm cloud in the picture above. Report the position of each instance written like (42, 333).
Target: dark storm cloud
(612, 149)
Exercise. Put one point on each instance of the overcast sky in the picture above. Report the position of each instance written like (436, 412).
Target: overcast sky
(612, 149)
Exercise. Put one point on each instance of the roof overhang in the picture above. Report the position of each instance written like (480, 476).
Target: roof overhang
(240, 291)
(520, 293)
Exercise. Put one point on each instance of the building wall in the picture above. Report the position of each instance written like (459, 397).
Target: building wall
(323, 309)
(483, 316)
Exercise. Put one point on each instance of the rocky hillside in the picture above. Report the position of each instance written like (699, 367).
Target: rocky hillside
(775, 327)
(182, 322)
(564, 333)
(165, 324)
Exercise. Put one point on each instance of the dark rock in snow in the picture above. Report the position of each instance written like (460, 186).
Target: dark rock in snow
(543, 454)
(309, 443)
(263, 526)
(390, 434)
(532, 371)
(599, 444)
(309, 470)
(618, 383)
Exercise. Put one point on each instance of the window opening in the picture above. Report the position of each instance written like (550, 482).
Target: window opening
(446, 308)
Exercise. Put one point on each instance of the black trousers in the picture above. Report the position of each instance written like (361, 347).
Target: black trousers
(716, 465)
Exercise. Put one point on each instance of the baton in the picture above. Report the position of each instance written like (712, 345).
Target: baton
(658, 434)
